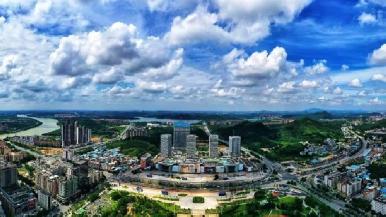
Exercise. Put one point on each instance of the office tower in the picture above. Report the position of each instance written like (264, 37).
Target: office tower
(234, 146)
(213, 146)
(191, 145)
(8, 174)
(180, 132)
(166, 145)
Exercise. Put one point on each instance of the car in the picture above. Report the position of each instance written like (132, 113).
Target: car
(222, 193)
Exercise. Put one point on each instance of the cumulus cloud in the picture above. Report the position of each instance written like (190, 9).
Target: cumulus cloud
(366, 18)
(236, 22)
(355, 83)
(9, 63)
(259, 65)
(152, 87)
(378, 56)
(118, 45)
(378, 2)
(233, 92)
(287, 87)
(338, 91)
(318, 68)
(375, 101)
(199, 26)
(307, 84)
(112, 76)
(379, 77)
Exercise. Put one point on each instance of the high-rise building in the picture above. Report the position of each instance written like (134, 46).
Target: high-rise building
(44, 200)
(235, 146)
(213, 146)
(68, 154)
(181, 130)
(166, 145)
(68, 187)
(8, 174)
(73, 134)
(191, 145)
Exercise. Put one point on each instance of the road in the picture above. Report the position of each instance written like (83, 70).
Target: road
(270, 164)
(329, 165)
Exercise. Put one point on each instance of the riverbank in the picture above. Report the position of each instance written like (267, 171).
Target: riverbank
(12, 124)
(47, 125)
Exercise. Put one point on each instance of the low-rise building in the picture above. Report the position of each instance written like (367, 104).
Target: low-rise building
(378, 205)
(18, 200)
(349, 187)
(369, 193)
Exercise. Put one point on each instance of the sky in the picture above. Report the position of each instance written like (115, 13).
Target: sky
(236, 55)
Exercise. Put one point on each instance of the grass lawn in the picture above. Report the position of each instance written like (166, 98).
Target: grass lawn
(198, 199)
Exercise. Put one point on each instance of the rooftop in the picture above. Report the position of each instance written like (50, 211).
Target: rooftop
(181, 124)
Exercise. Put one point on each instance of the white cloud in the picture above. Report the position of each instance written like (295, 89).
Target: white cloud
(355, 83)
(151, 87)
(168, 70)
(338, 91)
(251, 19)
(241, 22)
(199, 26)
(287, 87)
(233, 92)
(308, 84)
(118, 45)
(379, 77)
(375, 101)
(8, 64)
(378, 56)
(366, 18)
(259, 65)
(318, 68)
(379, 2)
(117, 90)
(345, 67)
(112, 76)
(362, 93)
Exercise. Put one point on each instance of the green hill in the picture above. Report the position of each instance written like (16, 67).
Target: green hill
(307, 129)
(283, 140)
(134, 148)
(250, 132)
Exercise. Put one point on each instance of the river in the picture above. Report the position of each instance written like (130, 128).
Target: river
(48, 125)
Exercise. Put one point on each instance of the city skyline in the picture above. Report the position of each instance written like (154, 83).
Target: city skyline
(192, 55)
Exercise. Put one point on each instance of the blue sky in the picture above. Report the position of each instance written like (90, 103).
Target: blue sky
(193, 54)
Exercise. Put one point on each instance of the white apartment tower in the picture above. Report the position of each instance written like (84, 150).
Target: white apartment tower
(166, 145)
(191, 145)
(213, 146)
(234, 146)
